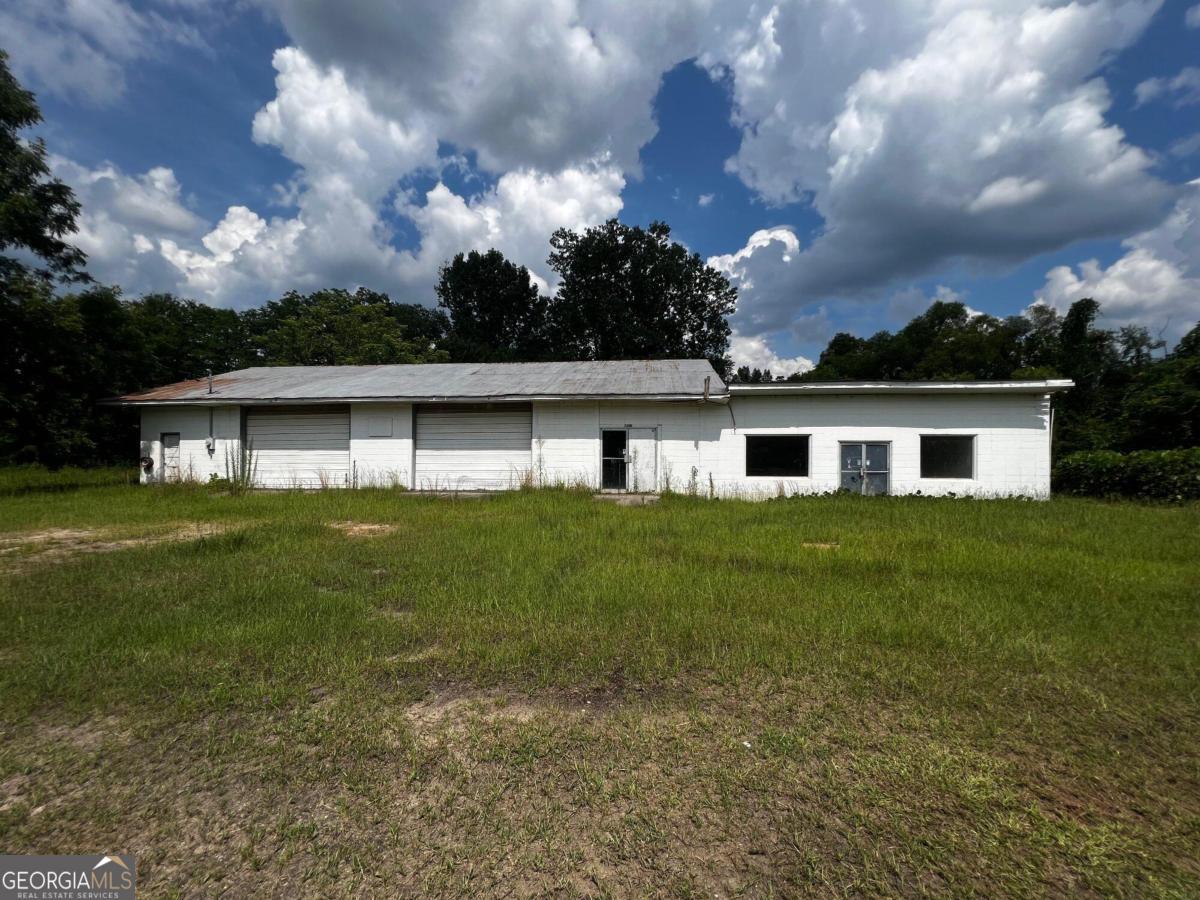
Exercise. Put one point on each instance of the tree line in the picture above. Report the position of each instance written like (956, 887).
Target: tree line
(624, 292)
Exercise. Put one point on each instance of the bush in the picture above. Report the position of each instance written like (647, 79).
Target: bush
(1143, 474)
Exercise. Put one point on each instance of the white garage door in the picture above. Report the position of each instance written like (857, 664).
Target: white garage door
(298, 446)
(477, 446)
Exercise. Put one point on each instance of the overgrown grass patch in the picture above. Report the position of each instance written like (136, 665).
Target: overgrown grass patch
(536, 692)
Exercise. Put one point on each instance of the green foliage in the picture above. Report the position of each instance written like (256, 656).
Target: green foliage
(746, 375)
(333, 327)
(65, 354)
(181, 339)
(496, 311)
(633, 293)
(1143, 474)
(945, 342)
(36, 211)
(1161, 407)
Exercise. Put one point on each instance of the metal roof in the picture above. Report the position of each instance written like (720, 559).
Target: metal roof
(659, 379)
(774, 389)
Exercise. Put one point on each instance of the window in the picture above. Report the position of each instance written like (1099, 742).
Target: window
(947, 456)
(777, 455)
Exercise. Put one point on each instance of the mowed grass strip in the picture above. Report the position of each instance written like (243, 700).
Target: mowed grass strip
(839, 694)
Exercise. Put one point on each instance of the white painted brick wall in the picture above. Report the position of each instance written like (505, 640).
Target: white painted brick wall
(566, 443)
(192, 424)
(703, 444)
(1012, 440)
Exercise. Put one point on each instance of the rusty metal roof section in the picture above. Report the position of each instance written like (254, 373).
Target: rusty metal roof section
(658, 379)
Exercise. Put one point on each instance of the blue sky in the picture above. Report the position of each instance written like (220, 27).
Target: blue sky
(844, 162)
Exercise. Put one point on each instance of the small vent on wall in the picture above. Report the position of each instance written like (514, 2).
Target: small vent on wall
(379, 426)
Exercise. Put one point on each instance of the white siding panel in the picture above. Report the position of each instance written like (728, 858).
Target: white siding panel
(473, 446)
(295, 448)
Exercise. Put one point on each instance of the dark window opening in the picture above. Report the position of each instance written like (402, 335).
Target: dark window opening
(777, 455)
(947, 456)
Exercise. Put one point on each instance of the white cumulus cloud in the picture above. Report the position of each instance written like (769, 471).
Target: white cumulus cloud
(1156, 281)
(924, 133)
(1182, 90)
(352, 156)
(964, 131)
(755, 352)
(80, 49)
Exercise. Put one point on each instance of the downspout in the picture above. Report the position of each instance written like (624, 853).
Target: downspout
(1050, 443)
(211, 443)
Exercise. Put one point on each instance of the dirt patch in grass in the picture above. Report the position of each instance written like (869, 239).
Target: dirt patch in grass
(89, 735)
(363, 529)
(628, 499)
(23, 550)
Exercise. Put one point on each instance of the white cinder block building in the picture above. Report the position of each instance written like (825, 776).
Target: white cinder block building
(643, 426)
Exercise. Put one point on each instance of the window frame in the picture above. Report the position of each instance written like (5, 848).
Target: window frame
(973, 438)
(806, 437)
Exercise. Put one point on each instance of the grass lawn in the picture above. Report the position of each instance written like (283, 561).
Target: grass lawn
(346, 693)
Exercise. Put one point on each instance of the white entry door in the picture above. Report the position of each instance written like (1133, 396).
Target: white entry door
(170, 456)
(643, 460)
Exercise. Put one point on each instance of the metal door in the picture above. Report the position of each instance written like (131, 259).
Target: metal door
(614, 446)
(643, 459)
(474, 446)
(170, 456)
(864, 468)
(299, 446)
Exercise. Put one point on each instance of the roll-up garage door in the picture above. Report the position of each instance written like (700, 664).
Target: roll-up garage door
(476, 446)
(300, 446)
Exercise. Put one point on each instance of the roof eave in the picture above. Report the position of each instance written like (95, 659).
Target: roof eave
(933, 388)
(215, 400)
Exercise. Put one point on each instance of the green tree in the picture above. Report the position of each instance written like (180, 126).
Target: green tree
(1088, 355)
(332, 328)
(1137, 346)
(946, 342)
(1161, 408)
(496, 312)
(422, 325)
(1040, 343)
(633, 293)
(65, 354)
(181, 339)
(747, 375)
(36, 211)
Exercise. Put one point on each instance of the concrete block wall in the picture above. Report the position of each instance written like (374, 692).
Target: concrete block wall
(700, 446)
(381, 444)
(1012, 440)
(194, 424)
